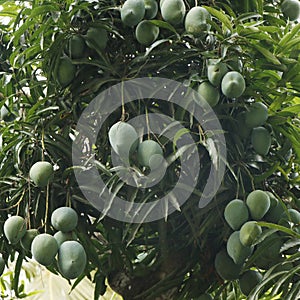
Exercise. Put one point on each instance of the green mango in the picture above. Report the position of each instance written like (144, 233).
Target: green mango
(249, 280)
(40, 173)
(233, 84)
(236, 250)
(150, 154)
(14, 229)
(249, 233)
(196, 21)
(261, 140)
(146, 33)
(132, 12)
(64, 219)
(27, 239)
(258, 203)
(44, 249)
(256, 115)
(236, 213)
(173, 11)
(226, 267)
(71, 259)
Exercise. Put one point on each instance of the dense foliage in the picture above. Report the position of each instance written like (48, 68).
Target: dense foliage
(46, 82)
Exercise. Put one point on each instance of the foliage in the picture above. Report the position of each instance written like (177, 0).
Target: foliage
(172, 258)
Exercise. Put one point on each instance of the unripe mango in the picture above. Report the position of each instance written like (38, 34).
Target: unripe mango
(236, 213)
(64, 219)
(71, 259)
(132, 12)
(14, 229)
(151, 9)
(123, 139)
(40, 173)
(226, 267)
(236, 250)
(249, 280)
(257, 115)
(233, 84)
(258, 203)
(249, 233)
(173, 11)
(216, 72)
(44, 249)
(150, 154)
(27, 239)
(146, 33)
(196, 21)
(261, 140)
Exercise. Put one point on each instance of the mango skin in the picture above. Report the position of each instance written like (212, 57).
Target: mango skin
(64, 219)
(290, 9)
(233, 84)
(123, 138)
(146, 33)
(62, 237)
(205, 297)
(173, 11)
(151, 9)
(44, 249)
(209, 93)
(27, 239)
(261, 140)
(196, 21)
(76, 47)
(258, 203)
(249, 280)
(71, 259)
(226, 267)
(132, 12)
(96, 38)
(216, 72)
(257, 115)
(40, 173)
(236, 250)
(148, 149)
(249, 233)
(236, 213)
(14, 229)
(65, 71)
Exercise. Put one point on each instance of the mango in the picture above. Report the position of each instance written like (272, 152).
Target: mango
(64, 219)
(14, 229)
(71, 259)
(44, 249)
(236, 213)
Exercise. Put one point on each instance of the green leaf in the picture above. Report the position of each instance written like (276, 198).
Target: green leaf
(163, 24)
(295, 109)
(42, 10)
(266, 53)
(288, 37)
(221, 16)
(17, 272)
(178, 135)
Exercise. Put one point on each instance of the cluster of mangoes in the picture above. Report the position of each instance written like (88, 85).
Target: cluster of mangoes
(124, 140)
(95, 38)
(220, 79)
(245, 240)
(71, 256)
(252, 123)
(44, 247)
(140, 12)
